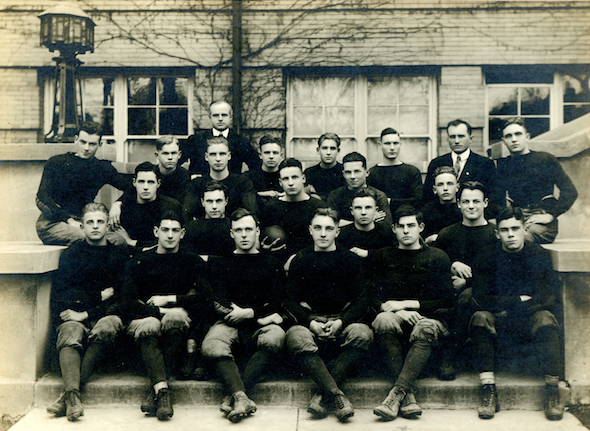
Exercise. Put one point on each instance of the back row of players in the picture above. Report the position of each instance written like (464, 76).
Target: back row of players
(403, 293)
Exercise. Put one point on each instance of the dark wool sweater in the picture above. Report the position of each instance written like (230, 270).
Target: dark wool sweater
(341, 200)
(529, 179)
(437, 216)
(381, 236)
(423, 275)
(85, 271)
(209, 236)
(174, 185)
(70, 182)
(331, 283)
(500, 278)
(264, 181)
(254, 281)
(325, 180)
(294, 218)
(401, 183)
(183, 274)
(240, 194)
(463, 243)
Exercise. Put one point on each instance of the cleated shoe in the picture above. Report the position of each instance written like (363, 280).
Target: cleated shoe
(164, 403)
(243, 407)
(409, 408)
(58, 407)
(489, 402)
(553, 408)
(149, 404)
(74, 407)
(317, 408)
(343, 406)
(389, 408)
(227, 405)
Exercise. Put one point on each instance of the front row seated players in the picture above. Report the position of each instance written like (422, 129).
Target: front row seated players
(163, 288)
(83, 287)
(515, 285)
(327, 299)
(248, 289)
(413, 290)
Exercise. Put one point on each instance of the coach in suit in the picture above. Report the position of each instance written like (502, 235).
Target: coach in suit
(195, 147)
(468, 165)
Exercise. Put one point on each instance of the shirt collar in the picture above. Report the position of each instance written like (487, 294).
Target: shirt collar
(225, 133)
(464, 156)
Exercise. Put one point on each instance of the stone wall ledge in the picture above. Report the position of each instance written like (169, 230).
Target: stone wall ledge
(28, 257)
(570, 255)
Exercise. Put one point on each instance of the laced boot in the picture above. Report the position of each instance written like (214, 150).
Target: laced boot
(344, 409)
(149, 404)
(58, 407)
(227, 405)
(317, 407)
(389, 408)
(553, 408)
(74, 407)
(243, 407)
(489, 402)
(410, 408)
(164, 402)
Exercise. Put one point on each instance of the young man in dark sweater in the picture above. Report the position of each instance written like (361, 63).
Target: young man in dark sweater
(248, 290)
(401, 183)
(515, 286)
(527, 179)
(211, 235)
(89, 274)
(442, 212)
(463, 242)
(326, 175)
(412, 284)
(364, 235)
(68, 183)
(327, 300)
(141, 211)
(355, 174)
(292, 211)
(165, 289)
(266, 178)
(174, 178)
(240, 191)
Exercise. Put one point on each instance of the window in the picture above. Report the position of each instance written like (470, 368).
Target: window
(357, 109)
(134, 109)
(576, 95)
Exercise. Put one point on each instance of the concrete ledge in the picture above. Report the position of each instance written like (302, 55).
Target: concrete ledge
(25, 257)
(570, 255)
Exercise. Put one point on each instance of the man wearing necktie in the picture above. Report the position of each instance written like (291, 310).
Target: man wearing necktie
(195, 147)
(468, 165)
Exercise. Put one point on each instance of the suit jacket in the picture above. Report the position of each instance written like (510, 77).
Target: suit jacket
(477, 168)
(195, 147)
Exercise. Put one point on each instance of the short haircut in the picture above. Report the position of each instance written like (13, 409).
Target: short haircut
(171, 215)
(219, 102)
(166, 140)
(213, 186)
(407, 210)
(94, 207)
(365, 192)
(519, 121)
(458, 122)
(267, 139)
(329, 136)
(290, 163)
(355, 157)
(472, 185)
(146, 167)
(444, 170)
(92, 128)
(217, 140)
(389, 131)
(327, 212)
(240, 213)
(508, 213)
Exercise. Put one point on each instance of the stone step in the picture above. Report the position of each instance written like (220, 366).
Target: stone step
(515, 392)
(209, 418)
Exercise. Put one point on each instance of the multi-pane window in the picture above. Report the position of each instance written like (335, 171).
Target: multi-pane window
(576, 96)
(134, 111)
(530, 101)
(357, 109)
